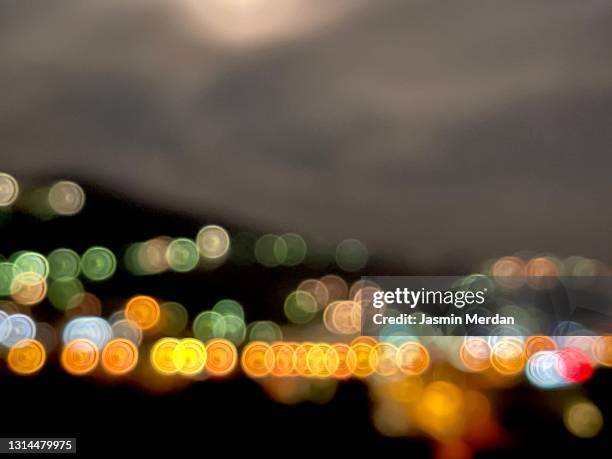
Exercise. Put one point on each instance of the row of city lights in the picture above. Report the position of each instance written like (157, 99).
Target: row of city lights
(395, 365)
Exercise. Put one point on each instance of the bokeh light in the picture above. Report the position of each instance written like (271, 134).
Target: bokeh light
(9, 189)
(208, 325)
(94, 329)
(351, 255)
(80, 357)
(64, 263)
(119, 356)
(162, 356)
(7, 274)
(317, 289)
(65, 293)
(574, 365)
(284, 357)
(182, 255)
(143, 310)
(270, 250)
(26, 357)
(475, 354)
(98, 263)
(360, 360)
(17, 327)
(235, 329)
(257, 359)
(264, 330)
(127, 329)
(222, 357)
(227, 307)
(583, 419)
(300, 307)
(412, 358)
(189, 356)
(602, 350)
(508, 356)
(295, 248)
(32, 262)
(535, 344)
(213, 242)
(28, 288)
(66, 198)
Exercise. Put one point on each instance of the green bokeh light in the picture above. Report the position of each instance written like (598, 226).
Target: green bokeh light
(32, 262)
(235, 329)
(64, 263)
(300, 307)
(7, 274)
(98, 263)
(182, 255)
(65, 293)
(208, 325)
(265, 330)
(270, 250)
(295, 249)
(351, 255)
(229, 307)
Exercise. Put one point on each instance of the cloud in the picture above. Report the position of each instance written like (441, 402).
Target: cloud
(432, 132)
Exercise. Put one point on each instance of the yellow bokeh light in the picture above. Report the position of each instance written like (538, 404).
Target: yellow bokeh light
(322, 360)
(162, 354)
(583, 419)
(189, 356)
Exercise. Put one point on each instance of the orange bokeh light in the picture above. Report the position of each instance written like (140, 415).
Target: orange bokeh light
(284, 359)
(602, 350)
(359, 360)
(80, 356)
(222, 357)
(143, 310)
(539, 343)
(508, 357)
(26, 357)
(119, 356)
(412, 358)
(257, 359)
(475, 354)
